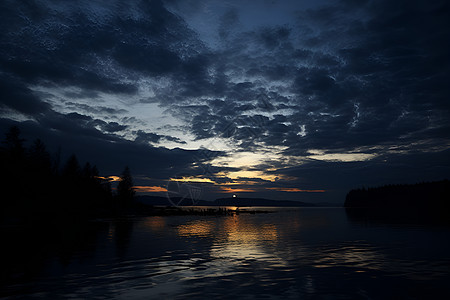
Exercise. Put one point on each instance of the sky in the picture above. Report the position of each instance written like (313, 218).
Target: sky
(293, 100)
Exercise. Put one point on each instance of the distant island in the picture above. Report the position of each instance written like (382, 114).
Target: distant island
(231, 201)
(427, 194)
(424, 202)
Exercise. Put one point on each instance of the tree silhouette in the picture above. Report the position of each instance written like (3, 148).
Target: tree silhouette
(13, 144)
(34, 188)
(39, 158)
(12, 161)
(72, 167)
(39, 171)
(125, 192)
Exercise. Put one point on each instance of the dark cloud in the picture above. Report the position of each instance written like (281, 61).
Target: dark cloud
(152, 59)
(15, 95)
(69, 45)
(337, 178)
(87, 123)
(227, 22)
(274, 37)
(173, 139)
(144, 137)
(111, 154)
(348, 75)
(313, 81)
(112, 126)
(149, 137)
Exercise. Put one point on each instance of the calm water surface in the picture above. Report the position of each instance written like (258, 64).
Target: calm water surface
(303, 253)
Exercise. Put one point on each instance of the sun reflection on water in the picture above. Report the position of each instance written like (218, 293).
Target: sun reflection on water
(198, 228)
(243, 241)
(155, 223)
(290, 255)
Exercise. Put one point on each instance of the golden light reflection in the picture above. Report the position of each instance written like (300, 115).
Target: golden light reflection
(243, 240)
(148, 189)
(155, 223)
(244, 232)
(198, 228)
(233, 228)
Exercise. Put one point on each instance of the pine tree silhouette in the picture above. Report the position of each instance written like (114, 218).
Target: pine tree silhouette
(125, 192)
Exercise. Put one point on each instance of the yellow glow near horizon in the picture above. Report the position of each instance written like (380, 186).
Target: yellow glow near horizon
(148, 189)
(246, 159)
(254, 174)
(109, 178)
(236, 190)
(193, 179)
(240, 182)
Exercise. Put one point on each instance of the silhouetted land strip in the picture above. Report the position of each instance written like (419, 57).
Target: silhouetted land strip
(237, 201)
(149, 210)
(161, 206)
(427, 202)
(231, 201)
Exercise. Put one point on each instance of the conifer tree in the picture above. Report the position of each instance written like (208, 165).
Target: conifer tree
(125, 192)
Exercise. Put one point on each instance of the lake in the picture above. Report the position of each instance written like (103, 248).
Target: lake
(306, 253)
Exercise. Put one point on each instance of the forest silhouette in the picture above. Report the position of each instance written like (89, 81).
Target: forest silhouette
(35, 186)
(426, 194)
(427, 202)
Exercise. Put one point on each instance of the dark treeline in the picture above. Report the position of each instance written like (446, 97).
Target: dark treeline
(421, 202)
(35, 185)
(428, 194)
(46, 206)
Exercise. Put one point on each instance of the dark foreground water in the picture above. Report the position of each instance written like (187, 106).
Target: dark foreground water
(308, 253)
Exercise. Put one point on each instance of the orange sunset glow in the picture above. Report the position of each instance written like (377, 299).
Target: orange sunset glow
(149, 189)
(109, 178)
(236, 190)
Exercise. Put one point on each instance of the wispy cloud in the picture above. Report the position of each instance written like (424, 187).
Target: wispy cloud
(193, 179)
(149, 189)
(236, 190)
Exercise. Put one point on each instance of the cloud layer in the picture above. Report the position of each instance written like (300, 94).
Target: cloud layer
(319, 94)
